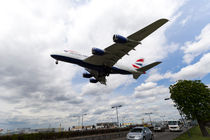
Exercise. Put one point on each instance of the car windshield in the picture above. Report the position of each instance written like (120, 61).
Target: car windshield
(136, 130)
(157, 125)
(172, 122)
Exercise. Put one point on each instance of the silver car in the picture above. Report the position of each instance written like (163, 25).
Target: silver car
(140, 133)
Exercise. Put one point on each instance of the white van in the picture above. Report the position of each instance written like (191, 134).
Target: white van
(175, 126)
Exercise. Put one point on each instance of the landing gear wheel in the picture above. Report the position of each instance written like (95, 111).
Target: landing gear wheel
(56, 62)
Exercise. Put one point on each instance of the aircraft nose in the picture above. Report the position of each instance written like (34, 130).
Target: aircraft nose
(53, 56)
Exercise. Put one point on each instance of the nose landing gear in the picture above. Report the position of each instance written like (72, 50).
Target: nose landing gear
(56, 62)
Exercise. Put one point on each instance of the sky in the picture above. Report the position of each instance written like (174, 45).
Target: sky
(36, 93)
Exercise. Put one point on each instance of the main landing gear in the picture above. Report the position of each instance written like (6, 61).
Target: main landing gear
(56, 62)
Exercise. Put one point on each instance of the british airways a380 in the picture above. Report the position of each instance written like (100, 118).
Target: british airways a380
(103, 62)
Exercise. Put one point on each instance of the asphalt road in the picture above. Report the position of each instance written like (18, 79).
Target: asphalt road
(163, 135)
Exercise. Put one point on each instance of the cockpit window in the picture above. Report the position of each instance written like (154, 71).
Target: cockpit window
(70, 51)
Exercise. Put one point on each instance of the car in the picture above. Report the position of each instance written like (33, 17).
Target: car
(140, 133)
(159, 127)
(175, 126)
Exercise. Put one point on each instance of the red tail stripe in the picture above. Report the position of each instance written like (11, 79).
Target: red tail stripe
(135, 66)
(140, 60)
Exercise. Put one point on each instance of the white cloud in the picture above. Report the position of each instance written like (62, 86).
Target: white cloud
(154, 76)
(149, 89)
(113, 82)
(195, 48)
(35, 88)
(185, 20)
(197, 70)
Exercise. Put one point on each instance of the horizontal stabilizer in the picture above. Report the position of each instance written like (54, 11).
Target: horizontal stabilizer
(136, 75)
(147, 67)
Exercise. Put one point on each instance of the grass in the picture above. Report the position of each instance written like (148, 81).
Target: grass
(195, 135)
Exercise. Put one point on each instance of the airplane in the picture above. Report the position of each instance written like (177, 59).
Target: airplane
(103, 62)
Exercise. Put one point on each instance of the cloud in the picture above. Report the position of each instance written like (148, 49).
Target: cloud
(154, 76)
(149, 89)
(195, 48)
(113, 82)
(32, 86)
(100, 110)
(185, 20)
(197, 70)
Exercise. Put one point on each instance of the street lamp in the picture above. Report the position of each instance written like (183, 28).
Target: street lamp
(163, 118)
(82, 119)
(78, 119)
(175, 105)
(149, 116)
(117, 106)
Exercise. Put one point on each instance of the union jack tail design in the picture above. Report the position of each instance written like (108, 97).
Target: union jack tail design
(139, 63)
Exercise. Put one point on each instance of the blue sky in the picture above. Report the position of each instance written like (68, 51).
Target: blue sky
(37, 93)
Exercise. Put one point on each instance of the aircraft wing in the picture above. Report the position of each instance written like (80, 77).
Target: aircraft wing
(116, 51)
(101, 79)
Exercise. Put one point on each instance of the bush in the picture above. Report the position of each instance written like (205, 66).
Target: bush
(56, 135)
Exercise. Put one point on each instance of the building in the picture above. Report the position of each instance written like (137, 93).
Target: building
(106, 125)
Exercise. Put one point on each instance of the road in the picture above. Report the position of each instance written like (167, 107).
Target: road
(162, 135)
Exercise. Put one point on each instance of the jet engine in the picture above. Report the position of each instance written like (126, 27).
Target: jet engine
(119, 39)
(97, 51)
(87, 75)
(92, 80)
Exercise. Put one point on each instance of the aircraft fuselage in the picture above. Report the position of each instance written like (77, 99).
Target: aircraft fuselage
(75, 58)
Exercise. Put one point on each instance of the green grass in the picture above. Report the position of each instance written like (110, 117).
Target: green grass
(195, 135)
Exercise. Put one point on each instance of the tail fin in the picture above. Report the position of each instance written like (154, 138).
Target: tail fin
(144, 69)
(138, 64)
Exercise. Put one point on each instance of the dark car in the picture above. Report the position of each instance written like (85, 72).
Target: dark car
(159, 127)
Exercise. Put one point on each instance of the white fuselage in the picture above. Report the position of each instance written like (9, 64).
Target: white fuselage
(76, 58)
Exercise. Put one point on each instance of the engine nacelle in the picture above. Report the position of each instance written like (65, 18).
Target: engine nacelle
(93, 80)
(97, 51)
(87, 75)
(119, 39)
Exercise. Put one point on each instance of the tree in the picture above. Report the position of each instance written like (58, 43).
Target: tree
(192, 99)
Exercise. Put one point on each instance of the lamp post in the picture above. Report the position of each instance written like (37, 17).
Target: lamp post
(117, 106)
(82, 119)
(149, 117)
(177, 109)
(163, 118)
(78, 119)
(180, 115)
